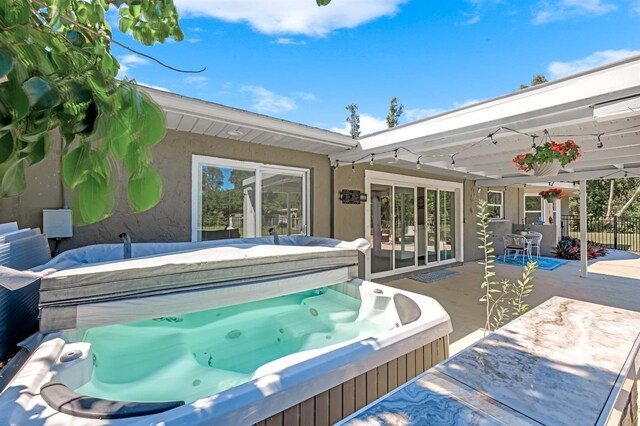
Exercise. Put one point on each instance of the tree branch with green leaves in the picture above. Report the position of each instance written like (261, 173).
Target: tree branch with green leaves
(58, 74)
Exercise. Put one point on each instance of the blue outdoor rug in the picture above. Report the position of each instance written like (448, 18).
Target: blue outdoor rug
(429, 277)
(546, 263)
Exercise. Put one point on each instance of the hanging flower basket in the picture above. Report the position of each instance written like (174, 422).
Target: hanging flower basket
(552, 195)
(546, 169)
(547, 159)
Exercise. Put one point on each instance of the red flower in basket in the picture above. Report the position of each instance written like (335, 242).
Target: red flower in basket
(564, 153)
(552, 194)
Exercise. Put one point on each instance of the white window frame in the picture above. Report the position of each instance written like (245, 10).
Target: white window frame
(197, 161)
(501, 205)
(541, 211)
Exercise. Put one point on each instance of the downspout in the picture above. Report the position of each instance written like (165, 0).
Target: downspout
(332, 200)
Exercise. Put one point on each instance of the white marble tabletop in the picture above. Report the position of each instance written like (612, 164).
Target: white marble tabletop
(560, 364)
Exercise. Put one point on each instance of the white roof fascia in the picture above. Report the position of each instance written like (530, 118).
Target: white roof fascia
(171, 102)
(591, 84)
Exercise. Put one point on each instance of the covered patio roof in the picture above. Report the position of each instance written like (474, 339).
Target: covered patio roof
(479, 141)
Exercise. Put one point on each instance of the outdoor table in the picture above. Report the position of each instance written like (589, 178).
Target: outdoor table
(567, 362)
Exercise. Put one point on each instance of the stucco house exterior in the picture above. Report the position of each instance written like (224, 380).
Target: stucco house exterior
(411, 190)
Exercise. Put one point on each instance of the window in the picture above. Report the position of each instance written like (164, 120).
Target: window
(532, 209)
(233, 199)
(495, 204)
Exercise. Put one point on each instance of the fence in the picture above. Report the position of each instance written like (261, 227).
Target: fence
(620, 233)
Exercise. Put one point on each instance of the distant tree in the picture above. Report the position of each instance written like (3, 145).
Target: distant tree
(611, 197)
(395, 112)
(354, 120)
(536, 80)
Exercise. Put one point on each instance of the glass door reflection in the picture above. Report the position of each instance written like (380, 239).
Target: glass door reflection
(432, 225)
(405, 227)
(381, 228)
(447, 225)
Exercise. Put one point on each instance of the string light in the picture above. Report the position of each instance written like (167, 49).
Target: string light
(547, 136)
(453, 162)
(353, 166)
(337, 164)
(418, 163)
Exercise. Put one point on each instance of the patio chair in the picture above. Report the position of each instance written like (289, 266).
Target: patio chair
(515, 244)
(534, 240)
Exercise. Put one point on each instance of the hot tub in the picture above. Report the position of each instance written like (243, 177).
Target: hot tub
(303, 346)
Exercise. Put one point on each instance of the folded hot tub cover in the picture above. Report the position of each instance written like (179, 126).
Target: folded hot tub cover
(98, 275)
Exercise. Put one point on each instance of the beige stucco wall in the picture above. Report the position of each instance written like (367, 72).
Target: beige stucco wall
(170, 220)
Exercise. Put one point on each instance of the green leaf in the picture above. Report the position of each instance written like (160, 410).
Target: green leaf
(6, 147)
(118, 136)
(93, 200)
(76, 38)
(13, 181)
(144, 190)
(152, 125)
(39, 150)
(40, 93)
(6, 62)
(76, 166)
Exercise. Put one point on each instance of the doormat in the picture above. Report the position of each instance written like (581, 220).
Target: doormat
(429, 277)
(546, 263)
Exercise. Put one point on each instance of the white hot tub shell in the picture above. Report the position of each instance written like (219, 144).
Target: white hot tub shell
(360, 370)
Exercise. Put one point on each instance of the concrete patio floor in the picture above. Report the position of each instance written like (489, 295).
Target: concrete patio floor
(614, 280)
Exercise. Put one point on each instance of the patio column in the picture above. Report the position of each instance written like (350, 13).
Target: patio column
(583, 229)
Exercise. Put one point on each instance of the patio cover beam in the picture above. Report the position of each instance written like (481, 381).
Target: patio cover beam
(562, 177)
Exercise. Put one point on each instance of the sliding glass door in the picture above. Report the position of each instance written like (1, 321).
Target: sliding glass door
(411, 226)
(233, 199)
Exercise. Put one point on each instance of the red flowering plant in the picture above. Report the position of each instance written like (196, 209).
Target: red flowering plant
(565, 153)
(552, 194)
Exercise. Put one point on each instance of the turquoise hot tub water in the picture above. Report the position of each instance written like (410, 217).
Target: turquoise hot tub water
(195, 355)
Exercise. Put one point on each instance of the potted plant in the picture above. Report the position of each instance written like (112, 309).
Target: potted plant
(552, 194)
(547, 159)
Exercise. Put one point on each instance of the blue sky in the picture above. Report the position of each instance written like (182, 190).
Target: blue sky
(293, 60)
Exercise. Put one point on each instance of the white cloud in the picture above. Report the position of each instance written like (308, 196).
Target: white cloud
(292, 16)
(196, 80)
(164, 89)
(368, 124)
(473, 20)
(559, 69)
(128, 62)
(307, 96)
(466, 102)
(635, 8)
(194, 40)
(289, 41)
(268, 102)
(415, 114)
(549, 11)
